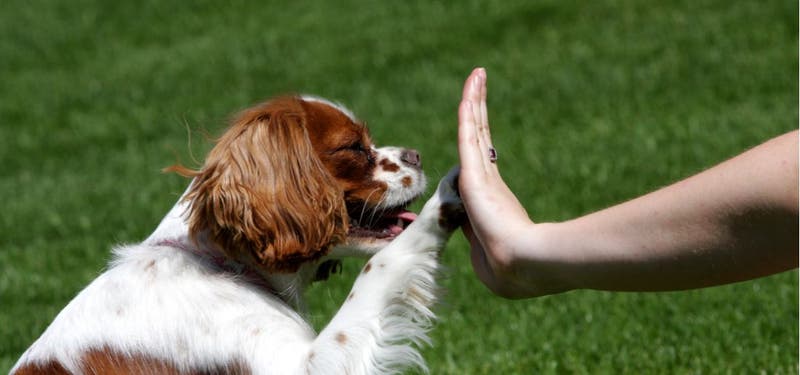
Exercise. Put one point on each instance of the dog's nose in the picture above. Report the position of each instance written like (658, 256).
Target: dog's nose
(411, 157)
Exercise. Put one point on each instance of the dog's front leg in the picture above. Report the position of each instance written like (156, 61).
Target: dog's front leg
(387, 312)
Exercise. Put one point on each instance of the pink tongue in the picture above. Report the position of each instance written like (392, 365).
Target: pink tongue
(407, 216)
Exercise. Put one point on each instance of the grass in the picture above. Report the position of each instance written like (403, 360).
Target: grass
(592, 103)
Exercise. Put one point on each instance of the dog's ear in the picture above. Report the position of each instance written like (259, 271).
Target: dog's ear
(264, 194)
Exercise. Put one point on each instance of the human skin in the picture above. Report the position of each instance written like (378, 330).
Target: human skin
(735, 221)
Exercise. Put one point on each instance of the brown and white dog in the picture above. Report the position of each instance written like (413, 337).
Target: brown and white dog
(293, 184)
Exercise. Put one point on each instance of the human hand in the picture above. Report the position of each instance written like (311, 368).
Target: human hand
(639, 245)
(499, 231)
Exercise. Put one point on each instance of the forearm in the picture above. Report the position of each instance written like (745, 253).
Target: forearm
(733, 222)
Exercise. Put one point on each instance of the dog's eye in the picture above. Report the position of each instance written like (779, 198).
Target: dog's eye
(358, 147)
(355, 147)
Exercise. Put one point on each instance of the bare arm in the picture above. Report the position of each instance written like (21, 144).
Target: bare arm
(735, 221)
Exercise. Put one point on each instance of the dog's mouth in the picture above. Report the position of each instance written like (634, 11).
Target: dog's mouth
(380, 224)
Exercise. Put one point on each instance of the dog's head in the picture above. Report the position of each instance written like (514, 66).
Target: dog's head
(295, 176)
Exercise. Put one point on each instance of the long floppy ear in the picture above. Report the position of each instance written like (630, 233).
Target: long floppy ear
(264, 193)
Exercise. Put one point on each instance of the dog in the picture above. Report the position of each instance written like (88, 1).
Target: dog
(292, 186)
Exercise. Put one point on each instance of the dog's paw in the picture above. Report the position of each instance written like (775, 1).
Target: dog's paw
(451, 209)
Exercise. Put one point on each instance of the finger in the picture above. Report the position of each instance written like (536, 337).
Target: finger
(475, 93)
(482, 115)
(469, 150)
(472, 85)
(471, 94)
(472, 150)
(476, 84)
(478, 96)
(483, 95)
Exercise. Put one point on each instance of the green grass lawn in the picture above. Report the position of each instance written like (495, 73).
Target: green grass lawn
(591, 103)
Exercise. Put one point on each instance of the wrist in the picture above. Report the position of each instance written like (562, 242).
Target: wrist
(542, 261)
(558, 254)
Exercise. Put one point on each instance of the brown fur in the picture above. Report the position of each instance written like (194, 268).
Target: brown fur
(389, 166)
(50, 368)
(263, 192)
(106, 361)
(332, 133)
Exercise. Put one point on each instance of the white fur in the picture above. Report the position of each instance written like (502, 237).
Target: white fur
(171, 304)
(398, 193)
(341, 108)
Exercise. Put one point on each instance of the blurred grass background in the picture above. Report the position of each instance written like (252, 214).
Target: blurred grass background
(592, 103)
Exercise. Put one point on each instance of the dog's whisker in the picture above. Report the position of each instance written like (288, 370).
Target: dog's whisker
(378, 208)
(364, 206)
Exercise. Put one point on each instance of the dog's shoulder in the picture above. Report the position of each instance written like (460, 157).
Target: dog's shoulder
(155, 296)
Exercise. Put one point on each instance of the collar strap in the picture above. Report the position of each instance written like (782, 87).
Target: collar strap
(221, 263)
